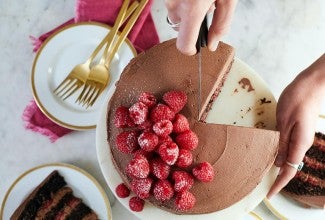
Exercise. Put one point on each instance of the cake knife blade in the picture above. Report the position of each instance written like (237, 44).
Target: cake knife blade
(201, 42)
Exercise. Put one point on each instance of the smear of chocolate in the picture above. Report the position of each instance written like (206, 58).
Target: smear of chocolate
(245, 83)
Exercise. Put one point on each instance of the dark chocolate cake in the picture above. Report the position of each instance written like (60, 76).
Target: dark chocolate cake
(53, 199)
(308, 186)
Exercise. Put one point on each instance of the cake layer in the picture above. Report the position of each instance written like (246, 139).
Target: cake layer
(82, 211)
(319, 173)
(50, 204)
(67, 209)
(316, 153)
(240, 156)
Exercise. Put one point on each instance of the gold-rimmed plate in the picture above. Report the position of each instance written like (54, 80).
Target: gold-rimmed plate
(57, 57)
(82, 183)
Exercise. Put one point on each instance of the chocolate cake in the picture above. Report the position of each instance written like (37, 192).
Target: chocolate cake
(240, 156)
(53, 199)
(308, 186)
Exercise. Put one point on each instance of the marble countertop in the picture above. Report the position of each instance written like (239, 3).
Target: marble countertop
(276, 38)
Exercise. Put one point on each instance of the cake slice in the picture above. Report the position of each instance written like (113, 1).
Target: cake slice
(53, 199)
(308, 186)
(43, 192)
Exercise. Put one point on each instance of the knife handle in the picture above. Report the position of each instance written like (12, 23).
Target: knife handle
(202, 39)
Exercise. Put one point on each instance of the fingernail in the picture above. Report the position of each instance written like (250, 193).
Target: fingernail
(213, 44)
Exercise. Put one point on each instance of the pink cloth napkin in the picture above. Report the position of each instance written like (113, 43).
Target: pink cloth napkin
(143, 36)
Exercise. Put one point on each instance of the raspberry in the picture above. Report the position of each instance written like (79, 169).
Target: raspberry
(138, 113)
(185, 201)
(141, 187)
(168, 152)
(122, 191)
(146, 125)
(127, 141)
(138, 167)
(159, 168)
(185, 158)
(136, 204)
(148, 141)
(187, 140)
(180, 124)
(204, 172)
(163, 190)
(148, 99)
(162, 140)
(163, 128)
(176, 100)
(161, 112)
(122, 118)
(183, 181)
(147, 154)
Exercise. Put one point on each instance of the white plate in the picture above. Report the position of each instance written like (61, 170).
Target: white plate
(82, 183)
(238, 105)
(286, 208)
(57, 57)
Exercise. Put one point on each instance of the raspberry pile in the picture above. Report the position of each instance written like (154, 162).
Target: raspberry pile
(161, 143)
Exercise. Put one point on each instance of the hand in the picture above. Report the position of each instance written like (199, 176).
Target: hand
(297, 111)
(190, 14)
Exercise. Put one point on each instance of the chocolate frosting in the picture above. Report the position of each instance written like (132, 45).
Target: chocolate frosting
(240, 156)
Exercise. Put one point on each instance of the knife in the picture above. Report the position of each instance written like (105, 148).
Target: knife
(201, 42)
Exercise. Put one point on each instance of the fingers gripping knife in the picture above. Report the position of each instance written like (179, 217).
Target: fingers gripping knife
(201, 42)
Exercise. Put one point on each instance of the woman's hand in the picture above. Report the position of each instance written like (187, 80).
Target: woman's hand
(190, 14)
(297, 111)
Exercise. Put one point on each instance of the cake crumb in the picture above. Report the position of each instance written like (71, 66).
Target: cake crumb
(264, 101)
(260, 124)
(260, 113)
(246, 83)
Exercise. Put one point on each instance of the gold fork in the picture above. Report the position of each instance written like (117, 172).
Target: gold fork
(99, 75)
(79, 74)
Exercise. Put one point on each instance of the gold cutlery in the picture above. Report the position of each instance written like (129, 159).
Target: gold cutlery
(79, 74)
(99, 75)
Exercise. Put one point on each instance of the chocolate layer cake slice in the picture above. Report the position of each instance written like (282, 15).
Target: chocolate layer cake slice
(308, 186)
(53, 199)
(28, 209)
